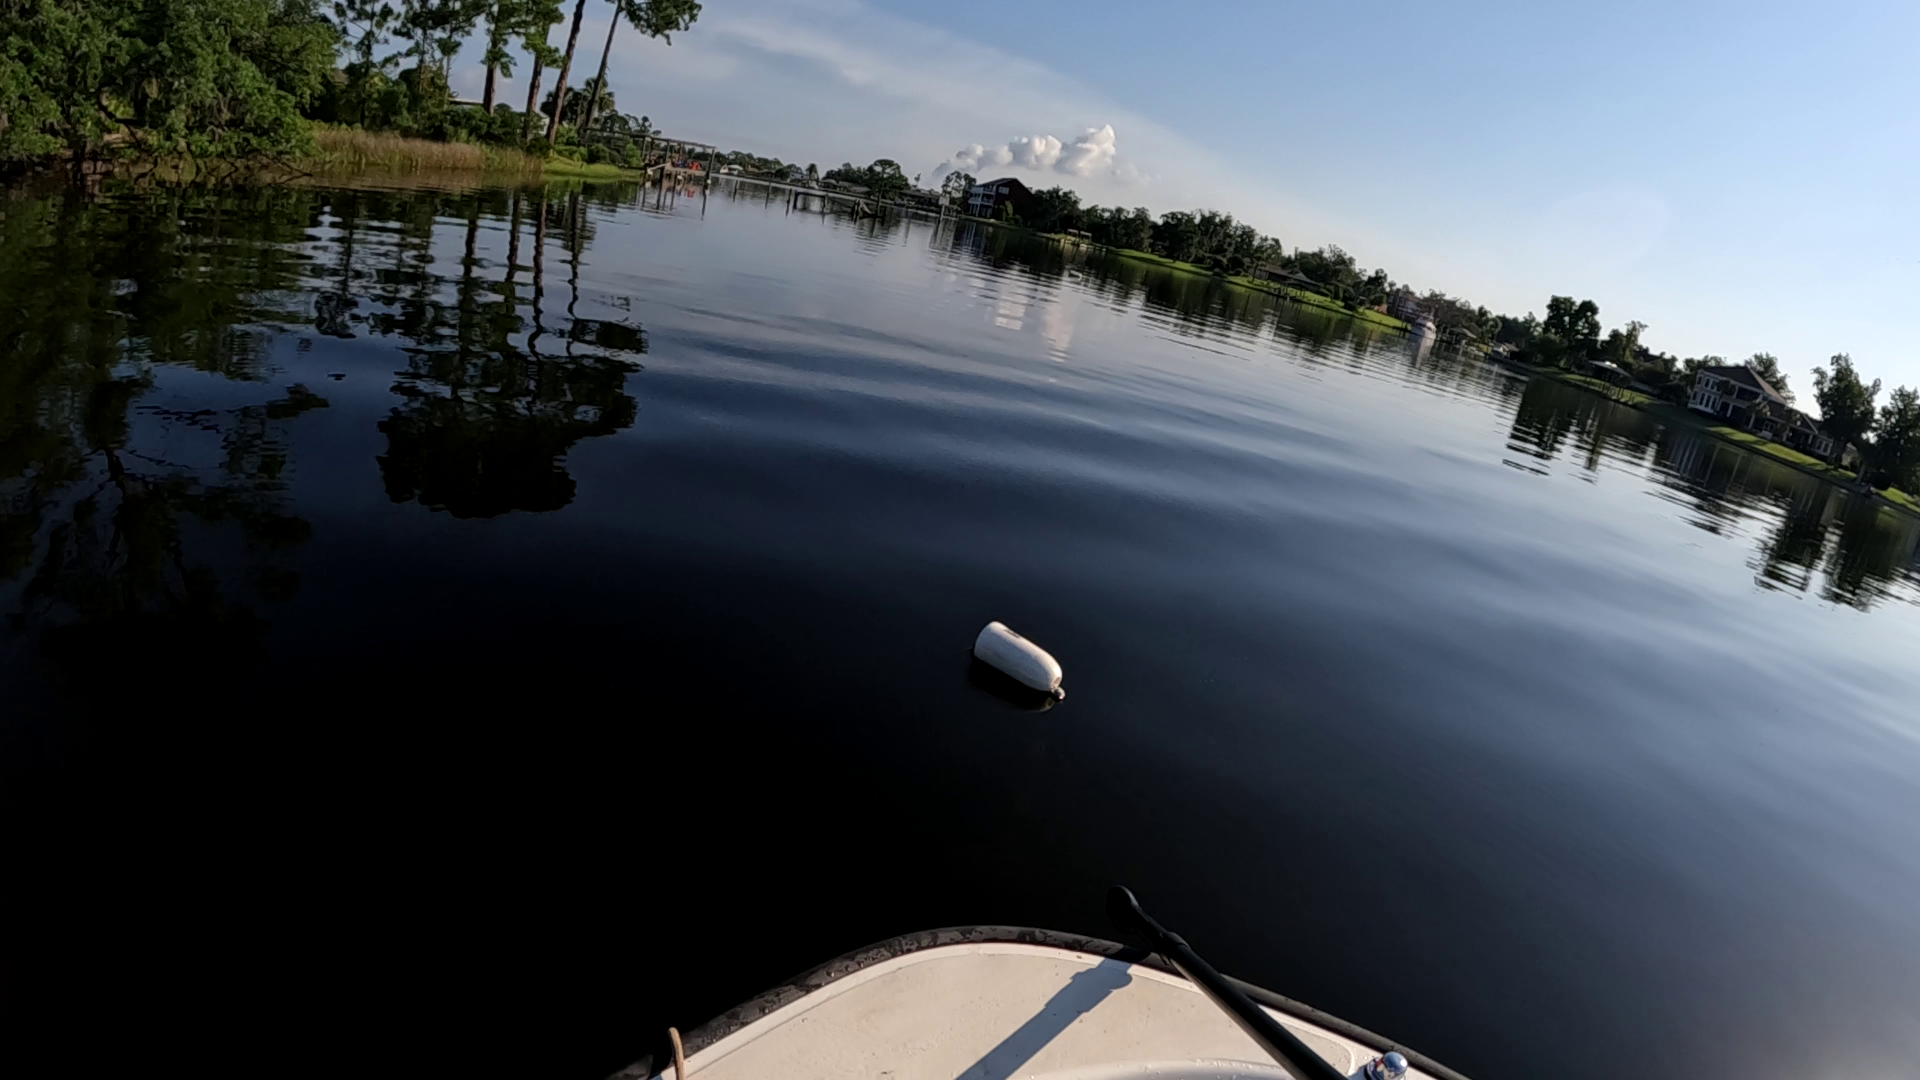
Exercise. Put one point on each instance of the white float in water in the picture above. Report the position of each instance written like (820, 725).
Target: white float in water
(1020, 659)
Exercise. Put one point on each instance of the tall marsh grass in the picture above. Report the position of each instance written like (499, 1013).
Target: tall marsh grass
(349, 149)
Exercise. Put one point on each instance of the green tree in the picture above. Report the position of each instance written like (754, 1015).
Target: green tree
(1270, 252)
(576, 107)
(1659, 367)
(158, 76)
(1133, 230)
(1330, 267)
(1177, 235)
(1053, 209)
(1373, 290)
(1518, 333)
(525, 21)
(433, 31)
(364, 26)
(654, 18)
(1623, 345)
(534, 38)
(1767, 366)
(1571, 330)
(1846, 403)
(566, 68)
(1896, 444)
(226, 81)
(884, 180)
(955, 188)
(1693, 364)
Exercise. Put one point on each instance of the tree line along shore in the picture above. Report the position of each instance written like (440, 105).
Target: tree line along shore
(222, 88)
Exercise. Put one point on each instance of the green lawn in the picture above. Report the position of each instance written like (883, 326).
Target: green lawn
(1902, 500)
(1301, 296)
(576, 170)
(1159, 260)
(1620, 394)
(1775, 450)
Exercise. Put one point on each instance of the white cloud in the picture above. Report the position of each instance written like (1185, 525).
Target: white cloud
(975, 158)
(1035, 151)
(1091, 154)
(827, 81)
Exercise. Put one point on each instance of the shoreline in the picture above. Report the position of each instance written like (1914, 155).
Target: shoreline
(1272, 288)
(337, 153)
(1679, 415)
(349, 150)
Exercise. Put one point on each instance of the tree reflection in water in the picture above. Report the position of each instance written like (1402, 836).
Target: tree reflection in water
(1821, 539)
(485, 423)
(146, 504)
(125, 517)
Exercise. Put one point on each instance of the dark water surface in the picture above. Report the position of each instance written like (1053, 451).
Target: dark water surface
(464, 634)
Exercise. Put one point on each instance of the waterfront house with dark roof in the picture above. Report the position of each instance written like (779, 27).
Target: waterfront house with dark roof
(1738, 394)
(985, 200)
(1806, 436)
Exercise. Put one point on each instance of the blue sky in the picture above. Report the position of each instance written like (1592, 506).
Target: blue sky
(1741, 177)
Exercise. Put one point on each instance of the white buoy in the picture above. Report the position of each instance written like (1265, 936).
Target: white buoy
(1020, 659)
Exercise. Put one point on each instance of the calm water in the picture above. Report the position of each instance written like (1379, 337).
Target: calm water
(466, 633)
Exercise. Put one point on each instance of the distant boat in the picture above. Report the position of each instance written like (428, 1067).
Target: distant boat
(997, 1002)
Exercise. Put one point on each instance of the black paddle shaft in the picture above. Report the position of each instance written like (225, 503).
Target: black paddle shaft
(1287, 1049)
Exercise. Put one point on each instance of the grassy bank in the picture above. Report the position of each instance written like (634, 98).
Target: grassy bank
(1621, 394)
(349, 150)
(1313, 299)
(577, 170)
(1298, 296)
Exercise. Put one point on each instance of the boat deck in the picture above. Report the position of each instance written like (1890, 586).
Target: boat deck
(995, 1010)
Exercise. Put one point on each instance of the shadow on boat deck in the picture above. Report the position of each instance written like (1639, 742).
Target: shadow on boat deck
(1079, 997)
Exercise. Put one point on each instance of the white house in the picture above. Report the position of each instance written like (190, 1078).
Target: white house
(1738, 393)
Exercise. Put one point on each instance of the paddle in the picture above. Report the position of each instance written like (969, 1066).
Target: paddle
(1286, 1048)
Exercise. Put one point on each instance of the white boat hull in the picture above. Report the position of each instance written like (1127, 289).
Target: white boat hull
(996, 1010)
